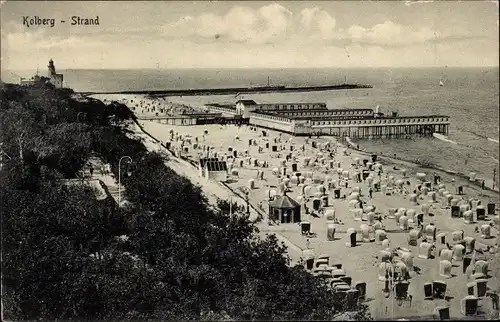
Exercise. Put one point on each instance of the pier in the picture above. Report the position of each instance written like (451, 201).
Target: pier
(233, 90)
(195, 119)
(380, 127)
(367, 127)
(307, 119)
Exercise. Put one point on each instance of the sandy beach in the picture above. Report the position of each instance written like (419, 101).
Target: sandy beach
(359, 262)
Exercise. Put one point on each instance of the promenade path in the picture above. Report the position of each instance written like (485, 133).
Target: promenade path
(100, 173)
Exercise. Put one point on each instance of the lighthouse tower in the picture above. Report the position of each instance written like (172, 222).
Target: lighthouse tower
(52, 69)
(55, 79)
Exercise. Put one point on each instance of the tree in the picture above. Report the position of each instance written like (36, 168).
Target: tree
(17, 127)
(65, 147)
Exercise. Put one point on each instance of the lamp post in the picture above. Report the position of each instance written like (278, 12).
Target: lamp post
(390, 286)
(246, 191)
(120, 177)
(248, 202)
(393, 289)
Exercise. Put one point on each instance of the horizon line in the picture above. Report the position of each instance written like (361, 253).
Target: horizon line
(268, 68)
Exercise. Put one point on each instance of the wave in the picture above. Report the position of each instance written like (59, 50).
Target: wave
(443, 138)
(479, 135)
(417, 162)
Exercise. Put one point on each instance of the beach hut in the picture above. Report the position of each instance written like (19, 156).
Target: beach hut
(330, 231)
(410, 213)
(446, 254)
(468, 217)
(413, 236)
(481, 267)
(378, 225)
(316, 203)
(271, 193)
(401, 269)
(330, 214)
(457, 236)
(425, 250)
(380, 235)
(384, 256)
(442, 237)
(480, 213)
(445, 268)
(470, 244)
(421, 176)
(365, 233)
(463, 208)
(403, 223)
(351, 233)
(469, 305)
(308, 255)
(324, 201)
(325, 258)
(284, 209)
(392, 213)
(430, 232)
(486, 231)
(458, 252)
(213, 168)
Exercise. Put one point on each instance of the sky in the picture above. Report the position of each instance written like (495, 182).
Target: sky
(251, 34)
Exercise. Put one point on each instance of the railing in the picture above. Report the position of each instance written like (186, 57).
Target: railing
(400, 121)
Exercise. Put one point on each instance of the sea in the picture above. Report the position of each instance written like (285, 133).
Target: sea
(470, 96)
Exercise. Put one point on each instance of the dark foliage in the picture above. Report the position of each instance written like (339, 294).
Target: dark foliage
(167, 256)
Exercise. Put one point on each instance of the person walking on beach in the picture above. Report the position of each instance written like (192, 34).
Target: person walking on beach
(370, 192)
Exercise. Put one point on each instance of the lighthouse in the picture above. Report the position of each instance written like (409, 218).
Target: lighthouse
(55, 79)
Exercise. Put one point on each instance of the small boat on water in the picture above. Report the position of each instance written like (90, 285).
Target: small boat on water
(441, 83)
(443, 138)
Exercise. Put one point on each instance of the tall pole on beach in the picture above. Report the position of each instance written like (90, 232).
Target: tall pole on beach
(120, 177)
(393, 289)
(494, 178)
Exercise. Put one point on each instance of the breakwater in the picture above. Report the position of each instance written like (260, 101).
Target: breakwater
(235, 90)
